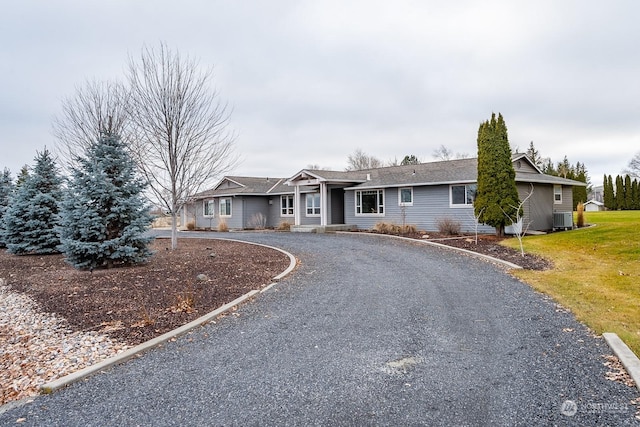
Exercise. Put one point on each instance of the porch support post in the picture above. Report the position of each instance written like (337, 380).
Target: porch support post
(296, 204)
(323, 204)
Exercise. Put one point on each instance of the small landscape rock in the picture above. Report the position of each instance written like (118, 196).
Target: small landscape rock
(202, 277)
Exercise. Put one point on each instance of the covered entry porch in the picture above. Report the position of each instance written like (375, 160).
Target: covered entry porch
(324, 199)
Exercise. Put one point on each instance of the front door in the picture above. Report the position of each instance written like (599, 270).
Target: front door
(337, 206)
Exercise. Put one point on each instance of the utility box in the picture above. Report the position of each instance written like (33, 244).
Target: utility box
(563, 220)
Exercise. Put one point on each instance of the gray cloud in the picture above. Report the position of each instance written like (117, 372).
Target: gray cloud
(309, 82)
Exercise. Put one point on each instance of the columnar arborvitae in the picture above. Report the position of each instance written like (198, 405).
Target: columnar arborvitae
(6, 188)
(30, 222)
(628, 199)
(497, 197)
(635, 197)
(104, 216)
(619, 193)
(612, 193)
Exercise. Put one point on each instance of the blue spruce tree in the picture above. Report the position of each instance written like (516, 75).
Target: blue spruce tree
(104, 216)
(6, 188)
(31, 220)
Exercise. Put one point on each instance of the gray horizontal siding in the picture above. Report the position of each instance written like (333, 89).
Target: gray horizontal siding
(430, 205)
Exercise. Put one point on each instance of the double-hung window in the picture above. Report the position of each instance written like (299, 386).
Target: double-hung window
(313, 204)
(286, 205)
(208, 207)
(370, 202)
(463, 195)
(557, 194)
(405, 196)
(225, 206)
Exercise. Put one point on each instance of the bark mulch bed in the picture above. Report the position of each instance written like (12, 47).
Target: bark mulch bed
(135, 304)
(490, 245)
(487, 245)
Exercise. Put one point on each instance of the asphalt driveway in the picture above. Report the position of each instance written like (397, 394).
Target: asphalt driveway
(367, 331)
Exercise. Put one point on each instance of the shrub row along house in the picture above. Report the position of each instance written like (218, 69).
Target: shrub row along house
(420, 195)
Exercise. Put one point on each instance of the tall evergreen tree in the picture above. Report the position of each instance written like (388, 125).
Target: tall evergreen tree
(497, 197)
(22, 175)
(104, 216)
(6, 188)
(635, 197)
(628, 200)
(612, 192)
(30, 222)
(534, 155)
(579, 193)
(548, 168)
(607, 192)
(619, 193)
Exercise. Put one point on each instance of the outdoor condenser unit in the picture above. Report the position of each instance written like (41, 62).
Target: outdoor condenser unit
(563, 220)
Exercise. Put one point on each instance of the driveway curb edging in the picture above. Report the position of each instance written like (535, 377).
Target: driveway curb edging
(140, 348)
(627, 357)
(440, 245)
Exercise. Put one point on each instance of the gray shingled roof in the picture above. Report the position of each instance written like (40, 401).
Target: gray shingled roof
(247, 185)
(432, 173)
(444, 172)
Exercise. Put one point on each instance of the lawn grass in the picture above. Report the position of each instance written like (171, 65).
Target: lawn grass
(596, 272)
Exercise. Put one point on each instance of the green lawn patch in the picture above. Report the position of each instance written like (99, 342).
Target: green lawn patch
(596, 272)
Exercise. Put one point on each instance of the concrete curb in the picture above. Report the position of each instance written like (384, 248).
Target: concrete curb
(627, 357)
(155, 342)
(440, 245)
(140, 348)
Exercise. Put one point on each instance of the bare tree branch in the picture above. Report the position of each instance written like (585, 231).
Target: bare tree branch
(360, 160)
(519, 229)
(94, 109)
(633, 168)
(181, 139)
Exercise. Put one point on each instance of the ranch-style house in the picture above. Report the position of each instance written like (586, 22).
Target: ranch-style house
(419, 195)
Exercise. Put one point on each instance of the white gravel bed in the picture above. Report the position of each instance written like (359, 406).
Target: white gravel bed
(37, 347)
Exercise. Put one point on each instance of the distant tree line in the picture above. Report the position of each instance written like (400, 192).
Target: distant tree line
(621, 193)
(564, 169)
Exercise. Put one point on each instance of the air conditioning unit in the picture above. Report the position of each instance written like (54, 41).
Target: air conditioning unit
(563, 220)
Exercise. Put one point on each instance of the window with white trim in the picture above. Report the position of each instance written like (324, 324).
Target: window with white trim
(405, 196)
(463, 195)
(557, 194)
(370, 202)
(225, 206)
(286, 205)
(208, 207)
(313, 204)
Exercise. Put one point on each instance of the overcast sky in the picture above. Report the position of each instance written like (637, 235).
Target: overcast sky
(312, 81)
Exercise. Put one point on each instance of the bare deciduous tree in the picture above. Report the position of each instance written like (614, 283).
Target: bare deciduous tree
(443, 153)
(360, 160)
(180, 128)
(517, 221)
(633, 168)
(95, 109)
